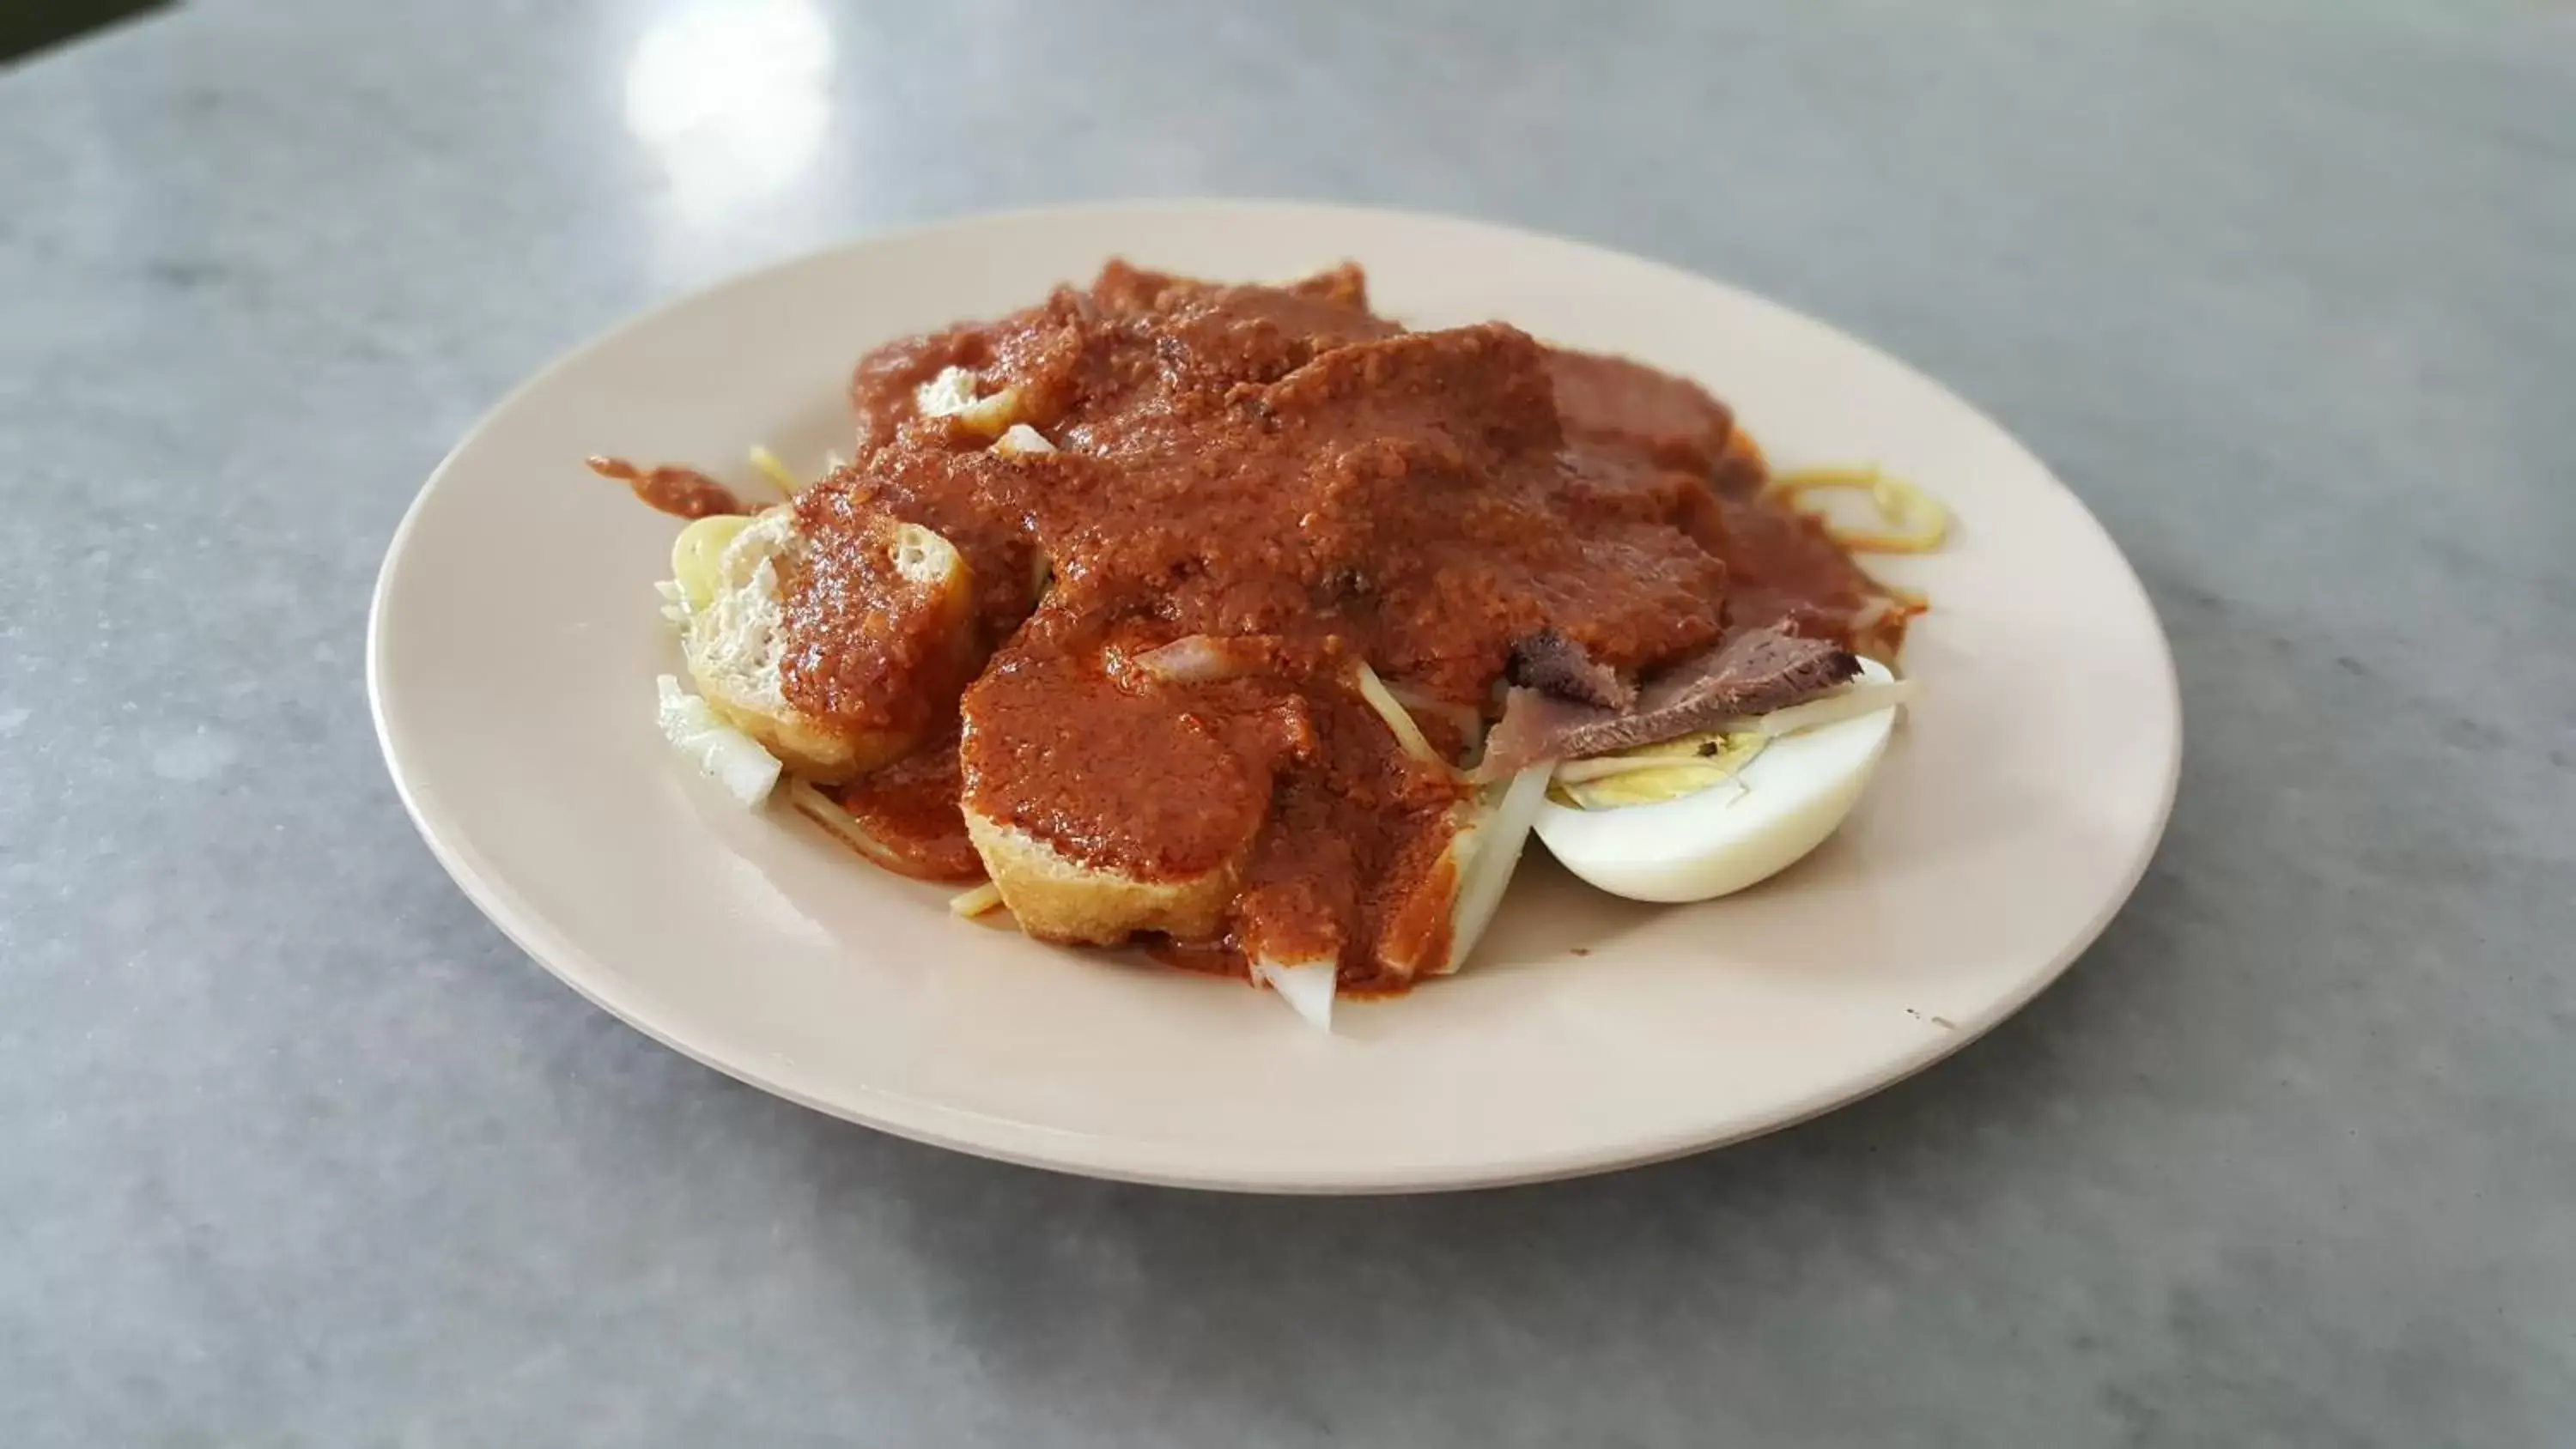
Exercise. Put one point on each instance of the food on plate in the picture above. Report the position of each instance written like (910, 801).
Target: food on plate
(1245, 622)
(1708, 814)
(898, 600)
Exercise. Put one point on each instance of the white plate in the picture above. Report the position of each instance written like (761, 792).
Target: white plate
(514, 643)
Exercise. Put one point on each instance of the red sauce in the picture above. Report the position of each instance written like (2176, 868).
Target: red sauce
(911, 805)
(680, 492)
(1194, 778)
(1278, 468)
(899, 649)
(1783, 568)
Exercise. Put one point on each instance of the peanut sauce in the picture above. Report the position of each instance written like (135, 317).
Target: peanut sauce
(680, 492)
(912, 807)
(1280, 462)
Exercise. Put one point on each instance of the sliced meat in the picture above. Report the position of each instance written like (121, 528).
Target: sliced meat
(1754, 672)
(1551, 663)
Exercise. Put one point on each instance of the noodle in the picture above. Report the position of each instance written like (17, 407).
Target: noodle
(1407, 733)
(1918, 519)
(820, 808)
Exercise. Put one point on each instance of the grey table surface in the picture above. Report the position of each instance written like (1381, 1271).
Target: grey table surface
(296, 1149)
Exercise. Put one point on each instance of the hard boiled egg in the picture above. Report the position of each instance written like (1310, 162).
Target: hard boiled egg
(1712, 831)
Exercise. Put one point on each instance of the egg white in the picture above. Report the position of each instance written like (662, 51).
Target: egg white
(1717, 841)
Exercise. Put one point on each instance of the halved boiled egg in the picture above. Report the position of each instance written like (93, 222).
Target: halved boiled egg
(1701, 818)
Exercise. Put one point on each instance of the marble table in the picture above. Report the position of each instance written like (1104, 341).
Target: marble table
(295, 1149)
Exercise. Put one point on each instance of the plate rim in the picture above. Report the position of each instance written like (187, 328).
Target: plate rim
(926, 1122)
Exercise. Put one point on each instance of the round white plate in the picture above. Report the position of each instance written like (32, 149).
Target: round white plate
(514, 643)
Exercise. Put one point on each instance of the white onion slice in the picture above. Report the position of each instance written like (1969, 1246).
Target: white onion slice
(1865, 696)
(1195, 659)
(1307, 987)
(722, 753)
(1407, 733)
(1492, 853)
(1202, 659)
(1461, 717)
(970, 904)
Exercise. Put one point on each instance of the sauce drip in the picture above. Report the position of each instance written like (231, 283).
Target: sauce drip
(911, 806)
(680, 492)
